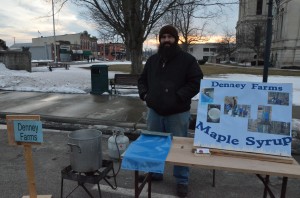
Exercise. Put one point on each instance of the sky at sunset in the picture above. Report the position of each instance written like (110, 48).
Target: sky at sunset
(22, 20)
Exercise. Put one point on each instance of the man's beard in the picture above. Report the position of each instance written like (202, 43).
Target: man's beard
(167, 50)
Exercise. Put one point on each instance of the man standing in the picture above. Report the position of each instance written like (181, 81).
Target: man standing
(170, 79)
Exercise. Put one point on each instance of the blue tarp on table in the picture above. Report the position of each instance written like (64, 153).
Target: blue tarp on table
(148, 153)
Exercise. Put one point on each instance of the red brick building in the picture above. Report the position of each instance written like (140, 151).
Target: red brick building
(111, 51)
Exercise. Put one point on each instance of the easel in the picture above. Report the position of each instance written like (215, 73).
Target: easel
(27, 152)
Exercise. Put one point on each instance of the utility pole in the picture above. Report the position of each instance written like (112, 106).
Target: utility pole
(268, 40)
(55, 57)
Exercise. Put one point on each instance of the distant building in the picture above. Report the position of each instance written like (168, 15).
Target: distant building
(111, 51)
(251, 31)
(20, 46)
(202, 51)
(285, 50)
(69, 47)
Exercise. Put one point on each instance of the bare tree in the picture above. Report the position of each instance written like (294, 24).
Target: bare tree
(184, 14)
(3, 45)
(133, 20)
(253, 36)
(226, 45)
(182, 17)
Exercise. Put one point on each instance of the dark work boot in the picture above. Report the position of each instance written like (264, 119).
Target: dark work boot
(182, 190)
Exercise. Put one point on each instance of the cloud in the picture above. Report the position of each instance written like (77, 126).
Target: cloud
(21, 19)
(24, 18)
(38, 7)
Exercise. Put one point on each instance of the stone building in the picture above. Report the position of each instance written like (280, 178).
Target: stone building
(251, 32)
(285, 50)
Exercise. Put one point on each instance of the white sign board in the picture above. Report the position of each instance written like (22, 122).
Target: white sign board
(245, 116)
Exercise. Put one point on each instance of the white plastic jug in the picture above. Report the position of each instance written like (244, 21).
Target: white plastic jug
(117, 144)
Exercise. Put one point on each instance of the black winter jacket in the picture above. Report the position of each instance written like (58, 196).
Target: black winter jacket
(168, 87)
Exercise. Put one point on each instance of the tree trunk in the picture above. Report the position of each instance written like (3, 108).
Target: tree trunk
(128, 54)
(184, 46)
(135, 35)
(136, 61)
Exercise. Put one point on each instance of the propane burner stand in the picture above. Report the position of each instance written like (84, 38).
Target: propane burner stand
(91, 177)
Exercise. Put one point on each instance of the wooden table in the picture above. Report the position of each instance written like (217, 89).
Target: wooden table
(181, 154)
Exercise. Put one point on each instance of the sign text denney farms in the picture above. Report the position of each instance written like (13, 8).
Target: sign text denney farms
(28, 131)
(243, 85)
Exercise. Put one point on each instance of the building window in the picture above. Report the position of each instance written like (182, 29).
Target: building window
(213, 49)
(257, 36)
(259, 7)
(206, 49)
(205, 58)
(281, 22)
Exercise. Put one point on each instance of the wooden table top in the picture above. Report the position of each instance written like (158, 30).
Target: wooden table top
(181, 154)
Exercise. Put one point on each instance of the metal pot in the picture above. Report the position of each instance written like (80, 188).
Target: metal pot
(86, 150)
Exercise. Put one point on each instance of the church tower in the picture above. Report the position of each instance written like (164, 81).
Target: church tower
(285, 50)
(251, 30)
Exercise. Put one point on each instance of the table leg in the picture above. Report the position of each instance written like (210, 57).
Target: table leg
(214, 178)
(267, 179)
(267, 190)
(283, 187)
(61, 187)
(138, 188)
(149, 179)
(136, 184)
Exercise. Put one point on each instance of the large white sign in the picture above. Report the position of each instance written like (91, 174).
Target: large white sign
(245, 116)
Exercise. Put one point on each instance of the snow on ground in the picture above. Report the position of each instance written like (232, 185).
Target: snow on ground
(78, 79)
(74, 80)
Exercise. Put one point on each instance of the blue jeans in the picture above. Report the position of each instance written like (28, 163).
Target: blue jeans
(177, 125)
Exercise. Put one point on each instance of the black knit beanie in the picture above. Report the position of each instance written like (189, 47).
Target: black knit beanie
(169, 29)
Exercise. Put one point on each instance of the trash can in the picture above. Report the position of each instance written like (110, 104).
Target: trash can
(99, 79)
